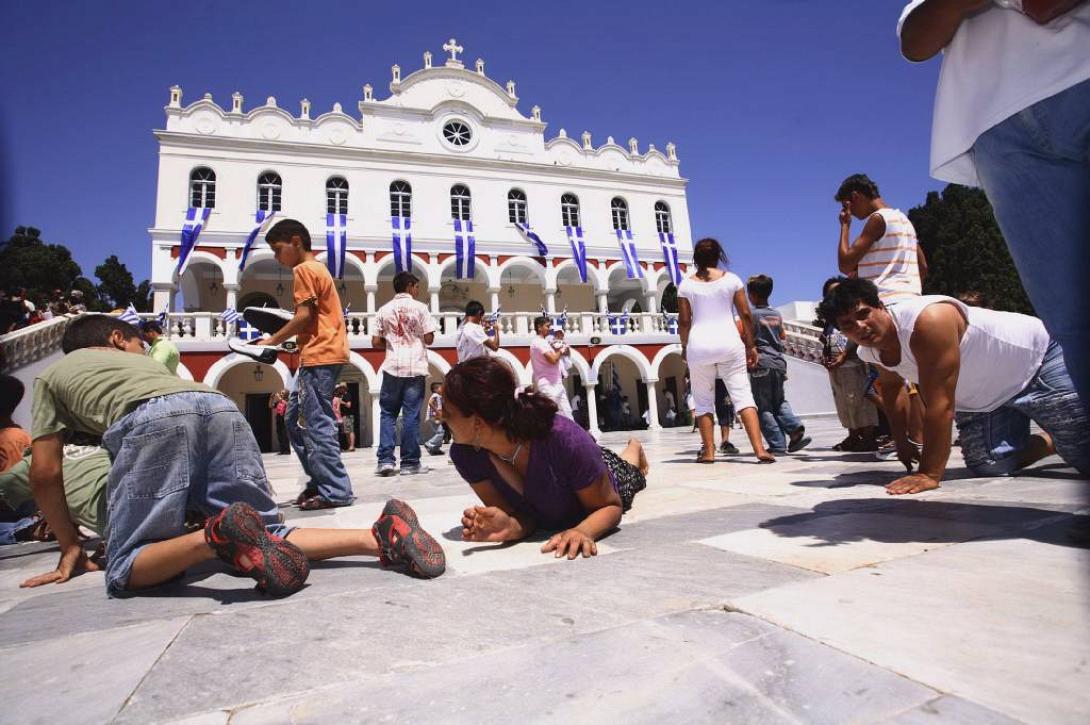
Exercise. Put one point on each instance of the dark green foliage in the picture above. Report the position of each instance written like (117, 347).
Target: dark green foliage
(117, 289)
(965, 249)
(27, 261)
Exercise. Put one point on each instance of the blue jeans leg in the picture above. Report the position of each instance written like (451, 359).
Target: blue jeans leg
(1051, 401)
(1035, 169)
(297, 434)
(436, 439)
(411, 401)
(389, 403)
(762, 382)
(314, 387)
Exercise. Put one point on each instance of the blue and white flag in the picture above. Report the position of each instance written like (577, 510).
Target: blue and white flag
(248, 332)
(401, 227)
(336, 243)
(195, 219)
(628, 251)
(260, 219)
(230, 315)
(561, 321)
(130, 315)
(578, 250)
(618, 324)
(669, 323)
(535, 239)
(465, 249)
(669, 255)
(493, 317)
(162, 318)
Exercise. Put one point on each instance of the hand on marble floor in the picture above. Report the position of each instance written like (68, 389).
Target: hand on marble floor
(487, 523)
(571, 543)
(73, 562)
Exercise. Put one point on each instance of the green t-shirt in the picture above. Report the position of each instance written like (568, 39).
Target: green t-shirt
(89, 390)
(165, 352)
(86, 471)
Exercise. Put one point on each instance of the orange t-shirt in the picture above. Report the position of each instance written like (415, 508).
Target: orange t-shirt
(325, 341)
(13, 441)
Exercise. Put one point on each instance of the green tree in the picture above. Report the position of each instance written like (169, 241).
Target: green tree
(965, 249)
(116, 287)
(27, 261)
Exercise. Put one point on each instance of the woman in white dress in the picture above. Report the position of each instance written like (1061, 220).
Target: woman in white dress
(712, 347)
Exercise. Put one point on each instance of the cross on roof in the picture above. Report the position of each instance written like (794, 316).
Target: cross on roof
(453, 48)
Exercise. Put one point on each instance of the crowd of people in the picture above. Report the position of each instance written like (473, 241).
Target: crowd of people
(168, 472)
(19, 309)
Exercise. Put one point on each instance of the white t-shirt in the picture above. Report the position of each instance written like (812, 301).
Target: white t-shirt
(470, 342)
(999, 63)
(714, 336)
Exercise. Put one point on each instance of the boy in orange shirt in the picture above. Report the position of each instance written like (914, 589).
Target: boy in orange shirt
(318, 326)
(13, 439)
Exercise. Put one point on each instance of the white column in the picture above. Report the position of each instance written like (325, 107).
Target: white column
(232, 295)
(162, 297)
(650, 304)
(592, 409)
(371, 290)
(435, 301)
(652, 405)
(550, 301)
(493, 299)
(603, 302)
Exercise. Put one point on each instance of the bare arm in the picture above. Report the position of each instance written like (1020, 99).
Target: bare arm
(493, 341)
(497, 520)
(849, 253)
(604, 507)
(304, 314)
(684, 322)
(936, 346)
(745, 317)
(921, 262)
(931, 26)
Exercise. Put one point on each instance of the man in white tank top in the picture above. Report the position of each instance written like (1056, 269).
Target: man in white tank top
(886, 252)
(996, 370)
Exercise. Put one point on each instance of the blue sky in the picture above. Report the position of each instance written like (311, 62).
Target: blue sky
(770, 102)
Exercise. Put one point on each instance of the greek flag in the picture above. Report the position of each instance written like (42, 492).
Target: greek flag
(195, 219)
(542, 250)
(230, 315)
(669, 255)
(669, 323)
(248, 332)
(260, 218)
(336, 242)
(401, 227)
(465, 249)
(628, 250)
(162, 318)
(618, 324)
(578, 250)
(493, 317)
(561, 321)
(130, 315)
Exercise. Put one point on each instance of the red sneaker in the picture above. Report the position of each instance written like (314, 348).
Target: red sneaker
(238, 536)
(403, 543)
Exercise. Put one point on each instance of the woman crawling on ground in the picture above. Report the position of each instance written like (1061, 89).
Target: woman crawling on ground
(533, 468)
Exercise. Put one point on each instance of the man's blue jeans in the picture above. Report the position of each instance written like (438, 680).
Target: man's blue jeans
(404, 396)
(1035, 169)
(777, 419)
(313, 433)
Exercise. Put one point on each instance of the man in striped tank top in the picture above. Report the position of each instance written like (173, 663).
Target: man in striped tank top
(886, 252)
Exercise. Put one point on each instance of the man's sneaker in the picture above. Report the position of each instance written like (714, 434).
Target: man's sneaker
(386, 469)
(262, 353)
(267, 319)
(238, 536)
(413, 469)
(402, 543)
(728, 449)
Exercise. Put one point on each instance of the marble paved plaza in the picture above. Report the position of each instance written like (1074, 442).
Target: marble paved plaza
(798, 592)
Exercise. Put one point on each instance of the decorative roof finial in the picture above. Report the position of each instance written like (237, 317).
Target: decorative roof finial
(671, 151)
(511, 89)
(586, 141)
(633, 146)
(175, 96)
(395, 71)
(452, 47)
(535, 113)
(208, 96)
(271, 101)
(480, 66)
(338, 108)
(427, 59)
(304, 109)
(368, 92)
(562, 134)
(236, 102)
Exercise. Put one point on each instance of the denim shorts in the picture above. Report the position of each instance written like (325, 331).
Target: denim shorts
(992, 442)
(190, 451)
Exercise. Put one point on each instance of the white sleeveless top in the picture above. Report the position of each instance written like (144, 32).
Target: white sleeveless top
(714, 336)
(1000, 352)
(891, 261)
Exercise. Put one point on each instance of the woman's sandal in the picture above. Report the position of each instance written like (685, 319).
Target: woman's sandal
(701, 459)
(315, 503)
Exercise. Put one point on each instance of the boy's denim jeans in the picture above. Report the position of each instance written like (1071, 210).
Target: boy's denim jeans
(404, 396)
(1035, 169)
(179, 452)
(314, 434)
(777, 418)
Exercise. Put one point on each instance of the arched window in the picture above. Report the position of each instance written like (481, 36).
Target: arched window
(619, 207)
(516, 206)
(401, 199)
(459, 202)
(569, 210)
(268, 191)
(202, 187)
(336, 195)
(662, 218)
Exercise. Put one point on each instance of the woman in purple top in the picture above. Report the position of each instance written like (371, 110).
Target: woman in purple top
(531, 467)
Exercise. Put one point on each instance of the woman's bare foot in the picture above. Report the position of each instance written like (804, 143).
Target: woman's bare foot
(633, 453)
